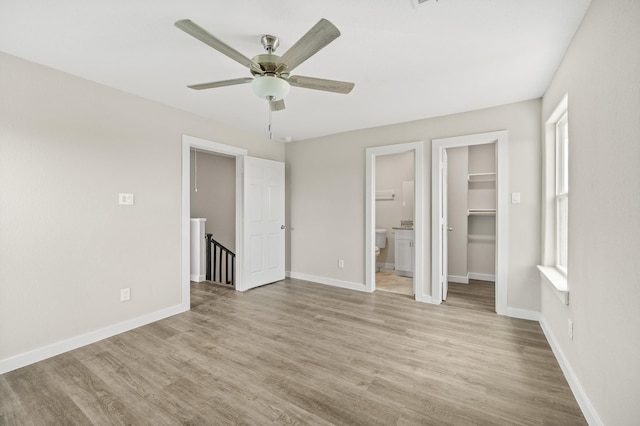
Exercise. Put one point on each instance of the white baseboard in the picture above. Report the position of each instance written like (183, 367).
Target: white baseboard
(458, 279)
(481, 277)
(523, 314)
(327, 281)
(387, 266)
(198, 278)
(40, 354)
(587, 408)
(424, 298)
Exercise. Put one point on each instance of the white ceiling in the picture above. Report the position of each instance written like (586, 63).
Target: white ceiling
(407, 62)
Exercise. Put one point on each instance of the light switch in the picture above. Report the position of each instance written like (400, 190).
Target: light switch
(125, 199)
(515, 198)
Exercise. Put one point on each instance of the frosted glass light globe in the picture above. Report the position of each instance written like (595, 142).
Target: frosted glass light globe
(270, 87)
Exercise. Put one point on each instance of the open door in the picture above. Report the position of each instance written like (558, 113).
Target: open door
(264, 229)
(444, 227)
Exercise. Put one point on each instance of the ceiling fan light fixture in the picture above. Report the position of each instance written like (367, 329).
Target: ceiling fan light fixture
(270, 87)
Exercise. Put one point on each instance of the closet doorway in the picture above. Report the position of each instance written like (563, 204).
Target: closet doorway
(471, 226)
(486, 210)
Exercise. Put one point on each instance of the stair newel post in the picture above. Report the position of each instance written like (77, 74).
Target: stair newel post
(208, 237)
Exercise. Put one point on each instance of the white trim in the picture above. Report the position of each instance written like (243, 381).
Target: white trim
(557, 281)
(481, 277)
(458, 279)
(386, 266)
(579, 393)
(72, 343)
(523, 314)
(502, 212)
(189, 142)
(327, 281)
(418, 223)
(197, 278)
(549, 213)
(424, 298)
(419, 297)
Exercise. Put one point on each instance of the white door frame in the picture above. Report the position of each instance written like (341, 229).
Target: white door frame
(502, 211)
(370, 226)
(189, 142)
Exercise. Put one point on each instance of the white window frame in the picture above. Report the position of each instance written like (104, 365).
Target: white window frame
(562, 186)
(555, 173)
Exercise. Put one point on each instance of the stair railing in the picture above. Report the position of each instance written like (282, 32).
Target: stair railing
(216, 253)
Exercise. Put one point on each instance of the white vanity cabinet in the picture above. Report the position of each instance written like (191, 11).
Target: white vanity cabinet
(404, 252)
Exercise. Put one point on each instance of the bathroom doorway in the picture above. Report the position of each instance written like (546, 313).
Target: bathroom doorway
(394, 223)
(400, 199)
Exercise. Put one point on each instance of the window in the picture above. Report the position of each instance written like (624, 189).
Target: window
(562, 192)
(555, 248)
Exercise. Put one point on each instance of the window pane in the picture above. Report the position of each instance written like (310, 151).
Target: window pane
(562, 157)
(562, 229)
(565, 158)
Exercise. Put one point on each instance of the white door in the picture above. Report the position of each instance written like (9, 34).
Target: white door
(263, 215)
(444, 226)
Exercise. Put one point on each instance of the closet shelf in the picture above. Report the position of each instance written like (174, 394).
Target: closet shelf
(481, 212)
(479, 237)
(481, 177)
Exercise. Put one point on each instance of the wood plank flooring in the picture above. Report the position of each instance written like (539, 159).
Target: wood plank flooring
(301, 353)
(387, 280)
(477, 295)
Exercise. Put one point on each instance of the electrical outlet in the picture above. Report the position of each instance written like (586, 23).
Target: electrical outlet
(125, 294)
(341, 263)
(570, 329)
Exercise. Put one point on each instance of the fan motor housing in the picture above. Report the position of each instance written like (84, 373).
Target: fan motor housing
(269, 63)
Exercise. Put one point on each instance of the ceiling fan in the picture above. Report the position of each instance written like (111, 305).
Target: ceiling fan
(271, 73)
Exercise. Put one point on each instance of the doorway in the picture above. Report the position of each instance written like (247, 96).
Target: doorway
(439, 225)
(259, 220)
(471, 226)
(203, 145)
(394, 223)
(417, 245)
(213, 213)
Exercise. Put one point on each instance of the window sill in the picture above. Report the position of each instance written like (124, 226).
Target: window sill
(557, 281)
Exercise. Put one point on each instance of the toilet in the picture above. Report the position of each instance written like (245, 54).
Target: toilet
(381, 240)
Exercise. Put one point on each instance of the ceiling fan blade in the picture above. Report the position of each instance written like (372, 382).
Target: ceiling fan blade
(220, 83)
(320, 35)
(321, 84)
(276, 105)
(201, 34)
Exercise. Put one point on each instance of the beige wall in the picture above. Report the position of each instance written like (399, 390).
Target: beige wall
(215, 199)
(67, 148)
(601, 74)
(326, 179)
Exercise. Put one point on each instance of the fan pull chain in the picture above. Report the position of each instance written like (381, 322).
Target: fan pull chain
(270, 99)
(195, 153)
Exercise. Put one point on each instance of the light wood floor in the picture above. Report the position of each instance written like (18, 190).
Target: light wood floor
(301, 353)
(387, 280)
(478, 295)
